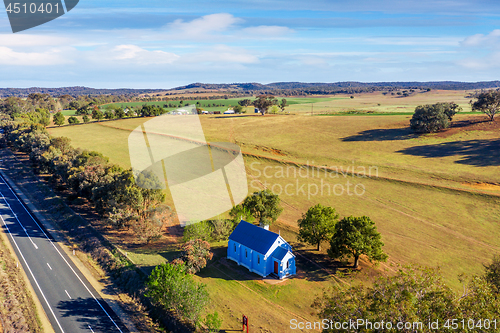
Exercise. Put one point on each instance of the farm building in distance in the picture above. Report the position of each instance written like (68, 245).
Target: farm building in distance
(261, 251)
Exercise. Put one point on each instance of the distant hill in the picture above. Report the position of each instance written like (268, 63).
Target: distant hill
(253, 87)
(73, 91)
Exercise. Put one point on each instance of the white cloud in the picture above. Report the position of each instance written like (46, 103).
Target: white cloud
(205, 25)
(20, 40)
(479, 40)
(220, 28)
(141, 56)
(489, 62)
(214, 47)
(13, 58)
(484, 51)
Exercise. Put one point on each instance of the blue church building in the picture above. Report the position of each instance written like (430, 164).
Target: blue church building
(261, 251)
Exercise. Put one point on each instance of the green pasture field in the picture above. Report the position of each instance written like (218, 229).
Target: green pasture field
(68, 113)
(377, 102)
(295, 103)
(374, 102)
(224, 104)
(404, 162)
(419, 193)
(381, 141)
(230, 101)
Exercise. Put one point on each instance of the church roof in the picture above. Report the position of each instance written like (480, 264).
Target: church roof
(254, 237)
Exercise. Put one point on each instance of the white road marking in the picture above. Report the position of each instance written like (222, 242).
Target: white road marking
(32, 275)
(67, 293)
(91, 330)
(22, 226)
(52, 243)
(49, 266)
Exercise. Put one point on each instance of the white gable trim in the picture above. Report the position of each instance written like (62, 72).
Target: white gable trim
(276, 243)
(287, 257)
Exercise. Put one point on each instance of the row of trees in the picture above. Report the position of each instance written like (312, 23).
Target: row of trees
(349, 237)
(75, 102)
(265, 104)
(88, 174)
(108, 114)
(16, 105)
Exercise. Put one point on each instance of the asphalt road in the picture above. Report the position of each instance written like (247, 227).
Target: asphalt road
(71, 303)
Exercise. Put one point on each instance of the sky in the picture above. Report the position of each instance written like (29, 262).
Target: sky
(168, 43)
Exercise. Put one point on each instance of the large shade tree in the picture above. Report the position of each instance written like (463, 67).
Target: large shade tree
(488, 103)
(433, 117)
(58, 119)
(97, 115)
(264, 206)
(264, 102)
(356, 236)
(171, 287)
(317, 225)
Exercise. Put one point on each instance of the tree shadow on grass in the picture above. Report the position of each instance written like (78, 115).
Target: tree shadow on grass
(468, 122)
(318, 266)
(392, 134)
(222, 268)
(171, 255)
(481, 153)
(168, 255)
(226, 269)
(219, 267)
(310, 271)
